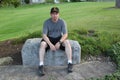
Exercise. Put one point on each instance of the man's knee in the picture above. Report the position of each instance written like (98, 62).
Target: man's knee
(43, 44)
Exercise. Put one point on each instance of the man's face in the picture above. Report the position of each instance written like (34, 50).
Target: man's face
(54, 16)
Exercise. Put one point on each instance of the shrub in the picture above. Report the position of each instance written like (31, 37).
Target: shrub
(5, 3)
(15, 3)
(27, 1)
(97, 43)
(114, 53)
(104, 41)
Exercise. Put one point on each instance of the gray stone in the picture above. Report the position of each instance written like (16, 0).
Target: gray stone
(82, 71)
(30, 54)
(5, 61)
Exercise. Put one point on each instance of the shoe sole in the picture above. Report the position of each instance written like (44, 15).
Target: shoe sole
(70, 71)
(41, 74)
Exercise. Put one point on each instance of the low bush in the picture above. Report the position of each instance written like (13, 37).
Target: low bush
(15, 3)
(5, 3)
(93, 42)
(114, 53)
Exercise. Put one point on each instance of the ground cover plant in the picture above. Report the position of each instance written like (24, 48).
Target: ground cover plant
(95, 25)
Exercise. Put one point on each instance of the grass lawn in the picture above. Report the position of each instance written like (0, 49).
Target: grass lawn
(100, 16)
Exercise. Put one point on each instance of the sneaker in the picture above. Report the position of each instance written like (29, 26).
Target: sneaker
(69, 68)
(41, 70)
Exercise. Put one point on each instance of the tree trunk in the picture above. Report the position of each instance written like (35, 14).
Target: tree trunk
(118, 3)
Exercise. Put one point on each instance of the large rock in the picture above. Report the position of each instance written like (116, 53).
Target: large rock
(30, 54)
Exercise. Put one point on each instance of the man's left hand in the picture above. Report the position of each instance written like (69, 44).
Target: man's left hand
(57, 45)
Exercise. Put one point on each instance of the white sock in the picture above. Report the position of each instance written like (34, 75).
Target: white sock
(41, 63)
(69, 61)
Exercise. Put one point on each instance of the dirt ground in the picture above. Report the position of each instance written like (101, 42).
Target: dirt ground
(81, 71)
(8, 48)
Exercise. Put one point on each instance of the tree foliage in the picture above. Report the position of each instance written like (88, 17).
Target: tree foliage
(27, 1)
(15, 3)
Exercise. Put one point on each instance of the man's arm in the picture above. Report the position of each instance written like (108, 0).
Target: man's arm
(64, 31)
(46, 39)
(64, 37)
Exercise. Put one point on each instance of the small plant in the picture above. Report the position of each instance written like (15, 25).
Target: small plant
(114, 53)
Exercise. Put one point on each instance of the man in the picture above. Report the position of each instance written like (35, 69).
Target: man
(54, 37)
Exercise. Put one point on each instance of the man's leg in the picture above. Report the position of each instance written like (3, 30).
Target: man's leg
(68, 52)
(42, 49)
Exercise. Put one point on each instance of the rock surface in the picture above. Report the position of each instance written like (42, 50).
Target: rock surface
(30, 54)
(82, 71)
(5, 61)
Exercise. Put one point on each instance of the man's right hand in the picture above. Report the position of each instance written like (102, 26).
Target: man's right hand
(52, 47)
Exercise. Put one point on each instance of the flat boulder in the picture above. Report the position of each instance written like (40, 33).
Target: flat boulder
(30, 54)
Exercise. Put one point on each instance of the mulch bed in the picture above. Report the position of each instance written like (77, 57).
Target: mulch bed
(8, 48)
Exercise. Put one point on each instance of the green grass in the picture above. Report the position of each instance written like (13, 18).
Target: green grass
(18, 22)
(26, 22)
